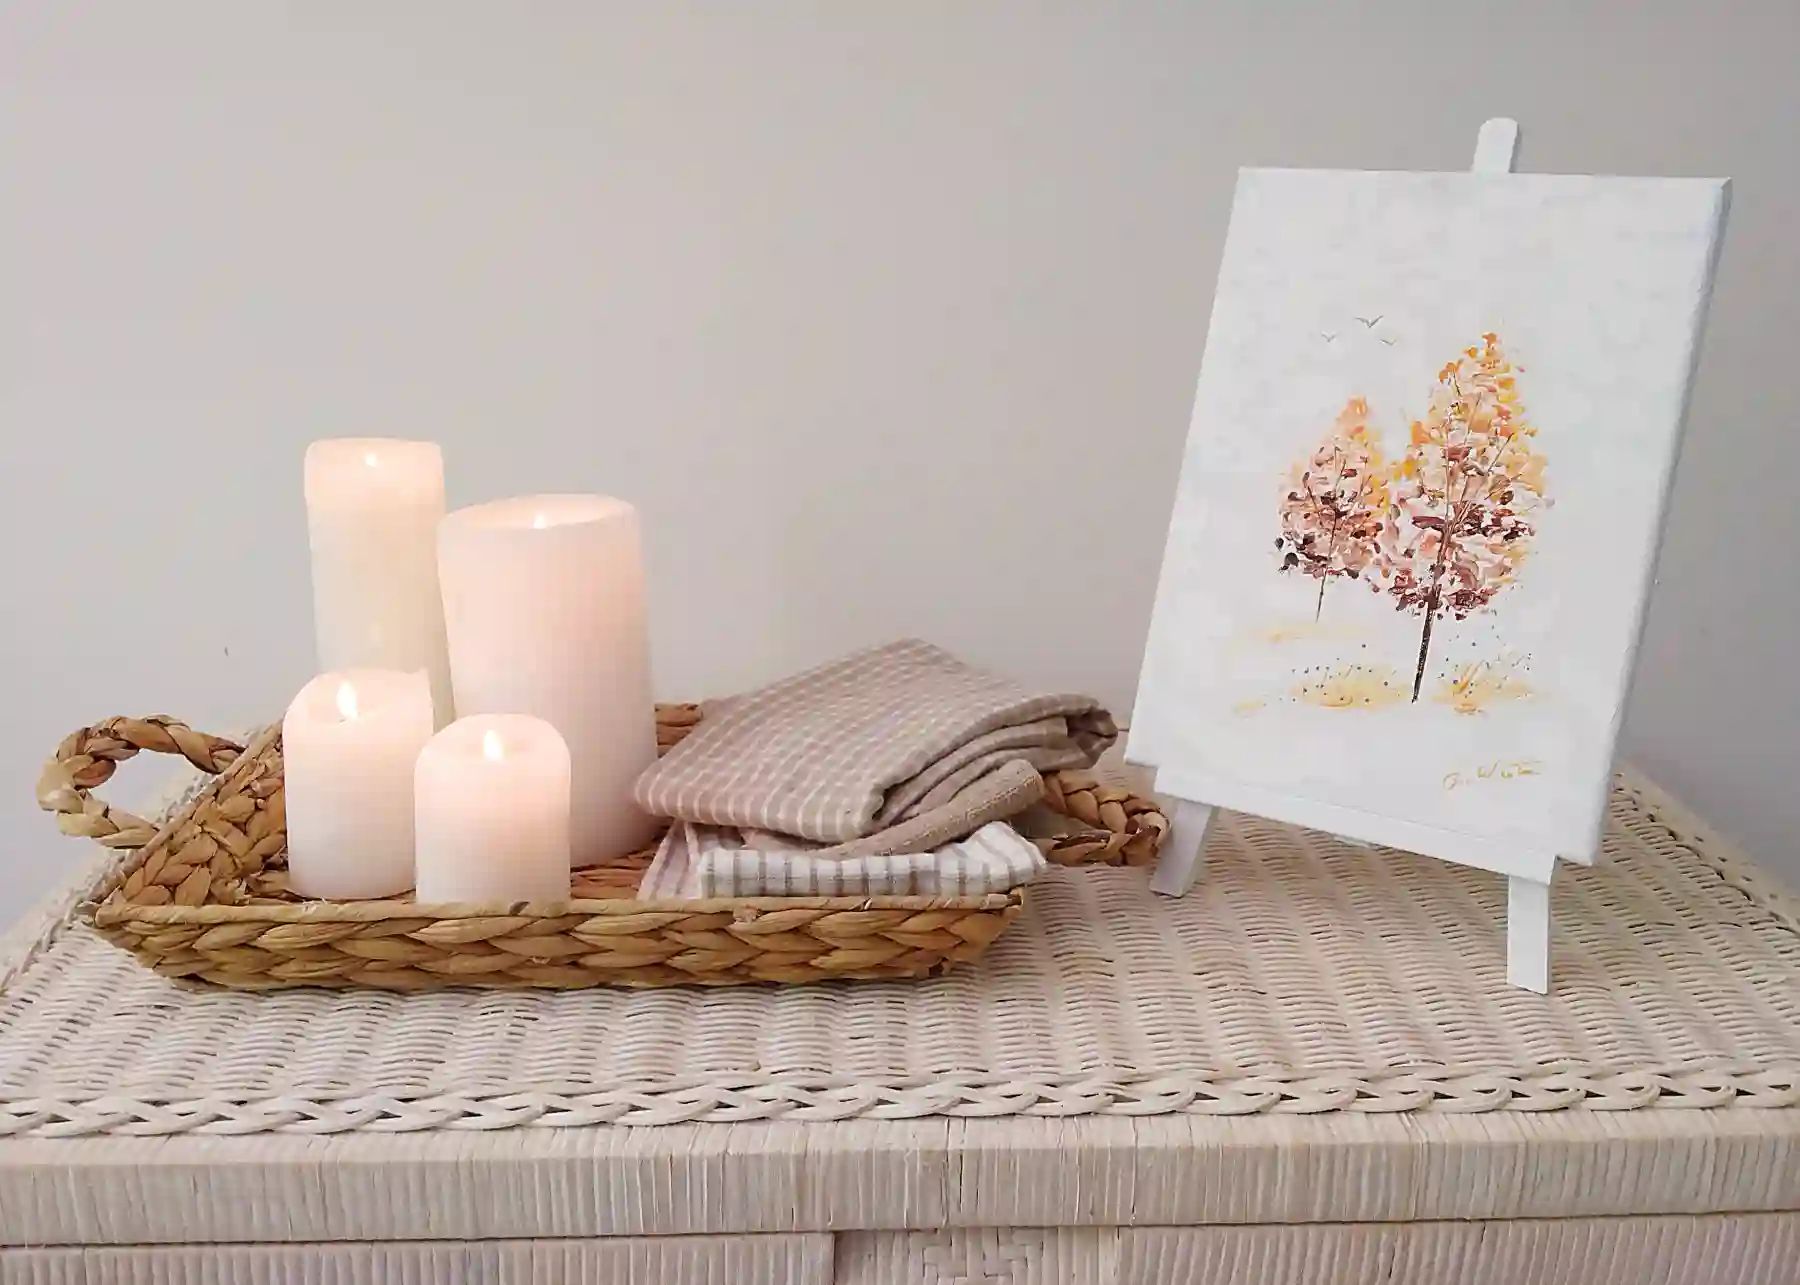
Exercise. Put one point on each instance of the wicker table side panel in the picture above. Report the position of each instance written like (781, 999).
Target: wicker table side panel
(990, 1255)
(1705, 1249)
(666, 1260)
(923, 1175)
(1710, 1249)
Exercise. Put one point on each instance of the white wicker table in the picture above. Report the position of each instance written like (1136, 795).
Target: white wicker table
(1356, 1103)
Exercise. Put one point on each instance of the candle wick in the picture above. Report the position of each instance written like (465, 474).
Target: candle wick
(346, 700)
(491, 749)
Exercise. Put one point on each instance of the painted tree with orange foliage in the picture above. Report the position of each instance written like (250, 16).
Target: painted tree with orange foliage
(1331, 510)
(1458, 522)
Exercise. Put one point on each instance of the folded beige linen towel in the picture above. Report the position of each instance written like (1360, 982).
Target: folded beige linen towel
(898, 748)
(712, 861)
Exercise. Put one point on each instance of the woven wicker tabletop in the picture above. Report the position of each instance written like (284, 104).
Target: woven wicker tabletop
(1389, 1101)
(1302, 975)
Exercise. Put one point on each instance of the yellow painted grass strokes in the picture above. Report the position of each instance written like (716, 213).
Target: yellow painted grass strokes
(1352, 687)
(1480, 685)
(1289, 631)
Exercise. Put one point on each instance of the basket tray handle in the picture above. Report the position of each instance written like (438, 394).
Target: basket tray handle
(89, 756)
(1119, 827)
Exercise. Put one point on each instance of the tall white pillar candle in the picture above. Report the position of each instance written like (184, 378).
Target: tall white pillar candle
(544, 603)
(491, 809)
(348, 745)
(372, 512)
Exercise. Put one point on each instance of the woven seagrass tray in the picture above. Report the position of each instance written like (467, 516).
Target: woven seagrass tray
(205, 897)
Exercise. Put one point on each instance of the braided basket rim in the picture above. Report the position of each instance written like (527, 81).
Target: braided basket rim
(110, 907)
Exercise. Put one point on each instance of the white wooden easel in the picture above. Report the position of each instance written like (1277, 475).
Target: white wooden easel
(1528, 877)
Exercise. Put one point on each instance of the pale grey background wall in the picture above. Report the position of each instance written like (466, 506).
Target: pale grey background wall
(887, 315)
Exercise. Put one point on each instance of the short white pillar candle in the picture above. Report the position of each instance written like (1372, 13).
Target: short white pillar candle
(491, 808)
(372, 512)
(348, 745)
(544, 603)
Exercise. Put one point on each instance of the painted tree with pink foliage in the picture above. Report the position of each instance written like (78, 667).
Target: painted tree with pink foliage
(1332, 505)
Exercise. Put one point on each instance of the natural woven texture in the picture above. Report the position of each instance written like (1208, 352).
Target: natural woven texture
(1724, 1249)
(87, 759)
(925, 1175)
(1719, 1249)
(1099, 822)
(206, 898)
(1300, 975)
(655, 1260)
(1715, 1249)
(208, 901)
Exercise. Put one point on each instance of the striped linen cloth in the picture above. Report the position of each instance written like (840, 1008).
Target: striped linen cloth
(697, 861)
(898, 748)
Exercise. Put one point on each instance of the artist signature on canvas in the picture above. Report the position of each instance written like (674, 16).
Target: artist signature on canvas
(1498, 770)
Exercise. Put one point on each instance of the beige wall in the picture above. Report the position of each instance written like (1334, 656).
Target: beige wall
(888, 316)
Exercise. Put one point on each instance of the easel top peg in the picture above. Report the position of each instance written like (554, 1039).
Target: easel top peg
(1495, 146)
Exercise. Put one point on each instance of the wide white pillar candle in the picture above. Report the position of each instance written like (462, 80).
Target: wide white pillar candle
(372, 512)
(544, 602)
(348, 745)
(491, 809)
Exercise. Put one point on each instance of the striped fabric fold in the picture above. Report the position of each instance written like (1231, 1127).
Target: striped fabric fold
(897, 748)
(698, 861)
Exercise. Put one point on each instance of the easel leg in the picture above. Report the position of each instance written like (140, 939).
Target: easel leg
(1179, 864)
(1528, 933)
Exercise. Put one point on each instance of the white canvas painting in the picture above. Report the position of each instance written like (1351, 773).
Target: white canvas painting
(1414, 533)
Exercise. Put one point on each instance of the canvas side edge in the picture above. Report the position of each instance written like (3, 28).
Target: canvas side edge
(1595, 824)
